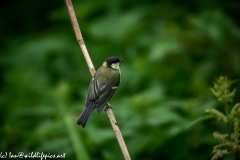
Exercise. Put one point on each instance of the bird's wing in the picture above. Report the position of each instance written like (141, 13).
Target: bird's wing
(105, 97)
(99, 94)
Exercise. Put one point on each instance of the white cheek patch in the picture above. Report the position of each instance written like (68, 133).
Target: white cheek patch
(115, 65)
(114, 87)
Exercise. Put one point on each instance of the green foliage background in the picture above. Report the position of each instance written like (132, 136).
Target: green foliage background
(173, 50)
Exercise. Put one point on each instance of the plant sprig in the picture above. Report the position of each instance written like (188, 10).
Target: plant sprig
(228, 143)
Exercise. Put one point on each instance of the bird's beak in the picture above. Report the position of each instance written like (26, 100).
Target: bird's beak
(121, 60)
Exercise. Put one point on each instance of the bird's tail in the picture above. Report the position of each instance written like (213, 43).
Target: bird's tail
(85, 115)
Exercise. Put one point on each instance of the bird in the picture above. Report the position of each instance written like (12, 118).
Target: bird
(101, 89)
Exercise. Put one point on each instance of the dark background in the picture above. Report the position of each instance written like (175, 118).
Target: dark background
(173, 50)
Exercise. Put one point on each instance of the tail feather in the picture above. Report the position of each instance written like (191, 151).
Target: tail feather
(85, 115)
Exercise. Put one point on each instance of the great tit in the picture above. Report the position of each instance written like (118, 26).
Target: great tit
(102, 87)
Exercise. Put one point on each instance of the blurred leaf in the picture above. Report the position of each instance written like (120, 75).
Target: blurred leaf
(109, 26)
(161, 115)
(203, 118)
(163, 47)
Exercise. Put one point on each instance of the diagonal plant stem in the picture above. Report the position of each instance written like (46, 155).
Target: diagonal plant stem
(81, 43)
(228, 123)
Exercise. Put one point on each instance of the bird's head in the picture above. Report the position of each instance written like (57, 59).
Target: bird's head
(113, 62)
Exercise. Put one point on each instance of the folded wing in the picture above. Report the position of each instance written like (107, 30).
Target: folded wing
(99, 94)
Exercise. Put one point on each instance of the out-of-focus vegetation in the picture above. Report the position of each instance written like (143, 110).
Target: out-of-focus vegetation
(172, 50)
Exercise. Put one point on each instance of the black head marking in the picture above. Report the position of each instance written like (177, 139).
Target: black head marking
(112, 60)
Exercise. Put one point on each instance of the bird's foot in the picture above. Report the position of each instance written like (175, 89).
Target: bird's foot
(108, 106)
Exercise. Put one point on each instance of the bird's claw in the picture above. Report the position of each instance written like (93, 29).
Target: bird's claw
(108, 106)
